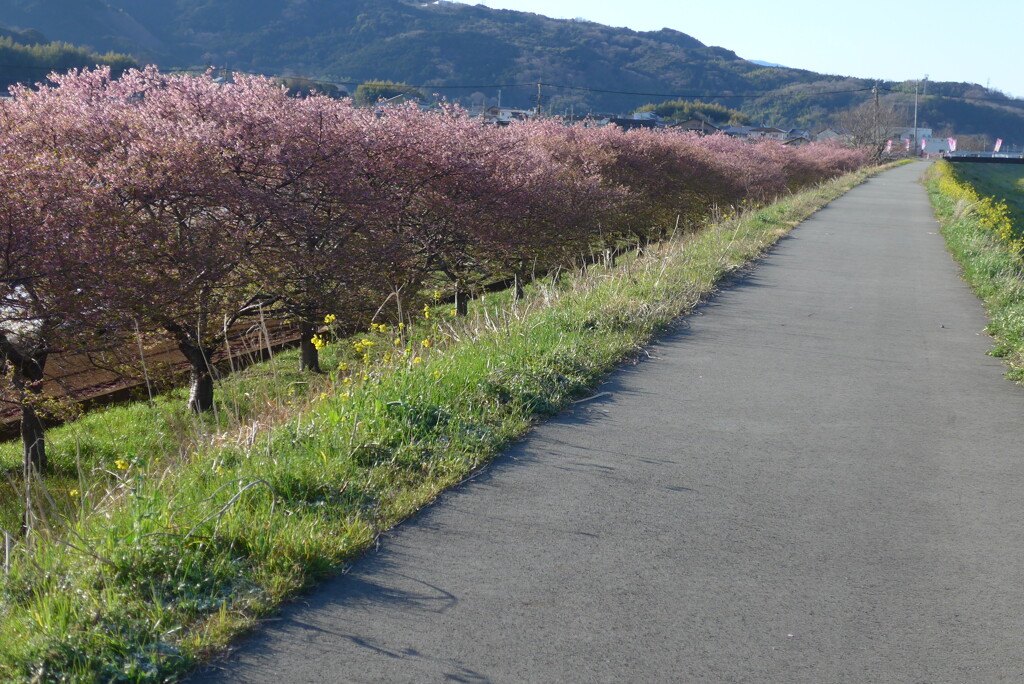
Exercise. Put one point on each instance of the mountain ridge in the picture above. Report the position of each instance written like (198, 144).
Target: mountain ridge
(450, 46)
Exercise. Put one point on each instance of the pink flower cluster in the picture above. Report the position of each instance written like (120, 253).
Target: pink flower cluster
(172, 201)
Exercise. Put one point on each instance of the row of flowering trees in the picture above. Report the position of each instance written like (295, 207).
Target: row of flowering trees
(170, 202)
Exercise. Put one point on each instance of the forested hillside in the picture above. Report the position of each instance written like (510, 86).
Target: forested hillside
(26, 57)
(476, 55)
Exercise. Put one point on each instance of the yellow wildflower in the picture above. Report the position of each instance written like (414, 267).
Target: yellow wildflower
(330, 318)
(426, 343)
(343, 366)
(417, 360)
(73, 492)
(318, 342)
(121, 464)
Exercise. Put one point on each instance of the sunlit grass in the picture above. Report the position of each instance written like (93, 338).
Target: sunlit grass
(992, 265)
(165, 534)
(1005, 181)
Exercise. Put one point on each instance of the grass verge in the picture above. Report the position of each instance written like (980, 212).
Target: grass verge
(163, 535)
(987, 246)
(1002, 181)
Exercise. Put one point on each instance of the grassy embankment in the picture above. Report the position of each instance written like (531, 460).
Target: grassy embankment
(160, 536)
(981, 210)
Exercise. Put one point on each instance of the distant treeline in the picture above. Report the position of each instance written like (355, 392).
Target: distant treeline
(683, 110)
(26, 57)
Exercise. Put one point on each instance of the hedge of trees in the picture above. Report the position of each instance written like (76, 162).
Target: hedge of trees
(170, 203)
(26, 57)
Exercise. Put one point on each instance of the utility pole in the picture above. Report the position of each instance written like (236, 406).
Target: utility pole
(877, 133)
(914, 134)
(538, 101)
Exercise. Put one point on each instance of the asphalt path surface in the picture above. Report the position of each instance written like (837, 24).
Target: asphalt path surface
(817, 478)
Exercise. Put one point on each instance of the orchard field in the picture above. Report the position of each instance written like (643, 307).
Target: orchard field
(155, 209)
(172, 206)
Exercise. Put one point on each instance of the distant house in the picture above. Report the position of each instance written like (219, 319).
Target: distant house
(697, 125)
(908, 133)
(797, 137)
(767, 133)
(737, 131)
(798, 141)
(841, 135)
(630, 124)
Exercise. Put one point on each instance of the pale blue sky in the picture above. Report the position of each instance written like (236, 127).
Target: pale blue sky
(949, 40)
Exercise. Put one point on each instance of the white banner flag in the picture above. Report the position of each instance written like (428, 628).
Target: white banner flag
(924, 143)
(888, 146)
(906, 145)
(999, 143)
(951, 142)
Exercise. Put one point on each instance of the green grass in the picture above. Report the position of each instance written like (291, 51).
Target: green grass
(991, 264)
(1004, 181)
(162, 535)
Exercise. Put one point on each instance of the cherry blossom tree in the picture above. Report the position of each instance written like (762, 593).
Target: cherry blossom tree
(174, 202)
(172, 159)
(47, 301)
(326, 251)
(185, 181)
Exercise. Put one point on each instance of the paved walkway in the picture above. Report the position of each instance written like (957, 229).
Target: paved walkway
(820, 479)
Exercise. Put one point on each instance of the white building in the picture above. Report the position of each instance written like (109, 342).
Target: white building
(935, 145)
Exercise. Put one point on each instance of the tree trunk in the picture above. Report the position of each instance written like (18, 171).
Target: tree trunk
(33, 439)
(518, 293)
(200, 397)
(461, 302)
(309, 356)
